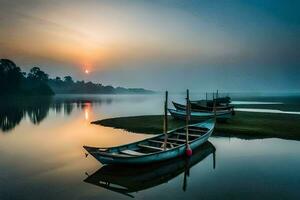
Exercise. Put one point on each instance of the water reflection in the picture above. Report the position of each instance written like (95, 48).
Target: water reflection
(87, 110)
(14, 109)
(129, 179)
(261, 110)
(46, 161)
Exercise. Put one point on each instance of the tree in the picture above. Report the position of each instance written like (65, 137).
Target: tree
(58, 79)
(37, 83)
(80, 82)
(68, 79)
(10, 76)
(14, 81)
(37, 74)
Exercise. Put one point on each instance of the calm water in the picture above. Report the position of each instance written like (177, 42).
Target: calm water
(41, 156)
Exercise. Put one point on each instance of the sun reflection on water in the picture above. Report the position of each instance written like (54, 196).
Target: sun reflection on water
(87, 111)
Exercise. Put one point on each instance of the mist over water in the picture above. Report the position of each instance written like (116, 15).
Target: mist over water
(42, 156)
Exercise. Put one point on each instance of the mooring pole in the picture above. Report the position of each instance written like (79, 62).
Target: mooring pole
(166, 120)
(215, 109)
(188, 115)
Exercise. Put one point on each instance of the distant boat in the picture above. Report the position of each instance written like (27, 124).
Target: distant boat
(210, 103)
(195, 107)
(201, 116)
(155, 149)
(126, 180)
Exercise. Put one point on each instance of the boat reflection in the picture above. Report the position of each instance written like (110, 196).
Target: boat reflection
(130, 179)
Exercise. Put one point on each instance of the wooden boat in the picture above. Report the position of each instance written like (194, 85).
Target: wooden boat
(152, 149)
(201, 116)
(167, 145)
(202, 108)
(126, 180)
(218, 101)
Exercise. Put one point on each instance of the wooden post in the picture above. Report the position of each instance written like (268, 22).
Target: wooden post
(215, 109)
(188, 150)
(187, 117)
(166, 120)
(217, 95)
(206, 97)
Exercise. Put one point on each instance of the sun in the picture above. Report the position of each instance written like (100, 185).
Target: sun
(86, 71)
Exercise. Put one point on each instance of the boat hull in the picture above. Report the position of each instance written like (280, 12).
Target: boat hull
(201, 116)
(210, 103)
(201, 108)
(109, 158)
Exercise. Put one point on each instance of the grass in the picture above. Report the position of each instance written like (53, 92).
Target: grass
(243, 125)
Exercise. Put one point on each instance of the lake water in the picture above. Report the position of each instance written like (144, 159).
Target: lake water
(41, 156)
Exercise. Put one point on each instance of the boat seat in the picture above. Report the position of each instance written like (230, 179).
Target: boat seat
(197, 130)
(193, 135)
(175, 139)
(132, 153)
(150, 147)
(161, 142)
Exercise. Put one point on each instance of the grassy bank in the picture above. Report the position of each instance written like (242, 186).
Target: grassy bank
(243, 125)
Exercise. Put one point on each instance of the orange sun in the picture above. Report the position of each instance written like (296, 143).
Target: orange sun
(86, 71)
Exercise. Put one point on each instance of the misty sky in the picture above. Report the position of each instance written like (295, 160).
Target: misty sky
(158, 44)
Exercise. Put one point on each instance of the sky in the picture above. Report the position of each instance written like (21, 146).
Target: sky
(202, 45)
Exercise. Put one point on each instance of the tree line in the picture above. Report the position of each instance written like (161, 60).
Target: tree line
(37, 82)
(14, 81)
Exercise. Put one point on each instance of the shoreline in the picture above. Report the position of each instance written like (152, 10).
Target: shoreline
(243, 125)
